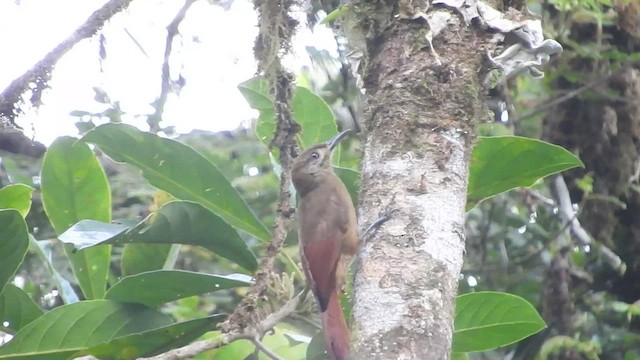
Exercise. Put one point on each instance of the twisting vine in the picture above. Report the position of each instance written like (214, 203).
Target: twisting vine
(276, 30)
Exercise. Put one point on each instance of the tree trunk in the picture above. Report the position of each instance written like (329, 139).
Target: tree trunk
(419, 125)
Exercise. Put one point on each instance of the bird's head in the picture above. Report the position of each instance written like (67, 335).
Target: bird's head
(309, 166)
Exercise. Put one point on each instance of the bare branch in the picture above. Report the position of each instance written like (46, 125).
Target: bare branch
(248, 333)
(569, 214)
(172, 32)
(538, 196)
(550, 104)
(259, 345)
(40, 73)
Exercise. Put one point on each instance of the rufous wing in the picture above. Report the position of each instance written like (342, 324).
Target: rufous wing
(320, 260)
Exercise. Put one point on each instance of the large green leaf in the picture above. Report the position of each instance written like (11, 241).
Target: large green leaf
(155, 341)
(16, 196)
(502, 163)
(139, 258)
(17, 309)
(154, 288)
(315, 117)
(488, 320)
(14, 241)
(256, 92)
(309, 110)
(74, 187)
(179, 170)
(70, 329)
(177, 222)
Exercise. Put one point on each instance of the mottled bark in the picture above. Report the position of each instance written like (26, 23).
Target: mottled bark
(419, 127)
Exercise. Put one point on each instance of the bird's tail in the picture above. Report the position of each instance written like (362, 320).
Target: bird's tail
(336, 332)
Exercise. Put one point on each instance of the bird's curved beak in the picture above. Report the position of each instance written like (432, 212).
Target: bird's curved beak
(336, 139)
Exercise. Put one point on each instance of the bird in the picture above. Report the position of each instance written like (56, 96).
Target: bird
(328, 237)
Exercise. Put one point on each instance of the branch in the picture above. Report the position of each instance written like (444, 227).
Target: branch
(550, 104)
(17, 143)
(569, 214)
(172, 32)
(248, 333)
(537, 196)
(265, 349)
(276, 28)
(245, 315)
(40, 73)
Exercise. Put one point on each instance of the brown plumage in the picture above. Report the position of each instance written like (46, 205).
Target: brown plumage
(328, 238)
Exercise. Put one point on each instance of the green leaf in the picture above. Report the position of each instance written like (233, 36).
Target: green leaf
(317, 348)
(459, 356)
(177, 222)
(88, 233)
(585, 184)
(16, 196)
(91, 268)
(17, 309)
(340, 11)
(351, 180)
(256, 92)
(276, 341)
(309, 110)
(14, 241)
(488, 320)
(69, 329)
(315, 117)
(239, 349)
(178, 170)
(155, 341)
(139, 258)
(280, 344)
(161, 286)
(74, 187)
(502, 163)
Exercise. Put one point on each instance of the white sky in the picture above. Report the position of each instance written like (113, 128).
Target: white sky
(213, 65)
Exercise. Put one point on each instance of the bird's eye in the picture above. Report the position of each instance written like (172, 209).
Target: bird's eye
(315, 155)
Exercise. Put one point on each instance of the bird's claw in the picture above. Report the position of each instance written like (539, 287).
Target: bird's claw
(383, 217)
